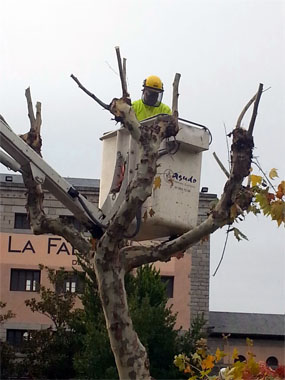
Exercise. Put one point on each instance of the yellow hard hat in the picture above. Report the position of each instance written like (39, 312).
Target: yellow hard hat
(154, 82)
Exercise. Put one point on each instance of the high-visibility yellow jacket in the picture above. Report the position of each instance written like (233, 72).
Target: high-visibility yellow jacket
(144, 111)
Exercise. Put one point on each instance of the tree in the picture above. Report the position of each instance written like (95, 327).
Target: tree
(7, 353)
(114, 257)
(49, 353)
(95, 359)
(153, 321)
(77, 343)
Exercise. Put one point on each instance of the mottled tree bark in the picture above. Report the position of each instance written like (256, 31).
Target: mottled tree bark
(113, 257)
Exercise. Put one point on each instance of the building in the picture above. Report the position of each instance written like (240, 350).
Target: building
(22, 252)
(266, 330)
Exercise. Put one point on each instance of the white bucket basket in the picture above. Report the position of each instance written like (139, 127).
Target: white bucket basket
(173, 206)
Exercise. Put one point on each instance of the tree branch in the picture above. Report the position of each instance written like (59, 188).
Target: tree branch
(221, 165)
(106, 106)
(255, 107)
(243, 112)
(38, 121)
(122, 71)
(175, 95)
(30, 108)
(40, 224)
(125, 68)
(137, 256)
(125, 114)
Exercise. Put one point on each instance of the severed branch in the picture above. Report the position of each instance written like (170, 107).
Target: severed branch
(106, 106)
(122, 71)
(125, 68)
(221, 165)
(39, 222)
(175, 95)
(30, 108)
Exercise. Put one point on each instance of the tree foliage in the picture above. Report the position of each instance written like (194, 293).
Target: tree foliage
(77, 344)
(7, 353)
(48, 353)
(202, 365)
(268, 199)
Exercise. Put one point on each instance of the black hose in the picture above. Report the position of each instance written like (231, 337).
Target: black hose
(138, 225)
(91, 216)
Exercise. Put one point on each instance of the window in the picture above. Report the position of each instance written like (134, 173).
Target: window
(272, 362)
(17, 337)
(21, 221)
(71, 283)
(240, 358)
(25, 280)
(169, 281)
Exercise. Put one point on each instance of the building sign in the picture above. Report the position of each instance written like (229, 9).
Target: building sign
(43, 248)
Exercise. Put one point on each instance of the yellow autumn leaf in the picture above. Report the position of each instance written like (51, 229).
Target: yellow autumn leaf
(196, 357)
(204, 374)
(249, 342)
(208, 362)
(278, 211)
(235, 354)
(239, 369)
(282, 186)
(253, 366)
(157, 183)
(273, 173)
(219, 354)
(180, 361)
(255, 179)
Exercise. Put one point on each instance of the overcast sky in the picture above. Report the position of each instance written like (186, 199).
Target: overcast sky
(223, 50)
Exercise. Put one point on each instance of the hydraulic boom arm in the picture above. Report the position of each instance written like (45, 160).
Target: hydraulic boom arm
(22, 158)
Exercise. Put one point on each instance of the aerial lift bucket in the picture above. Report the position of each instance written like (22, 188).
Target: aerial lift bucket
(172, 208)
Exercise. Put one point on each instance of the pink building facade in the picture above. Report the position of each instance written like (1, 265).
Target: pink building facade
(22, 252)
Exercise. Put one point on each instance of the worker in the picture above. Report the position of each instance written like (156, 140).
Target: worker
(150, 103)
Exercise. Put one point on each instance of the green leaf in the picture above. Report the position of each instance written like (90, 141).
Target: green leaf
(239, 235)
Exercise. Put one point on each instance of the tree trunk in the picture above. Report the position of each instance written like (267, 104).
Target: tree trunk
(130, 355)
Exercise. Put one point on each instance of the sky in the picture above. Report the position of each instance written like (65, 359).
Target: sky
(222, 49)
